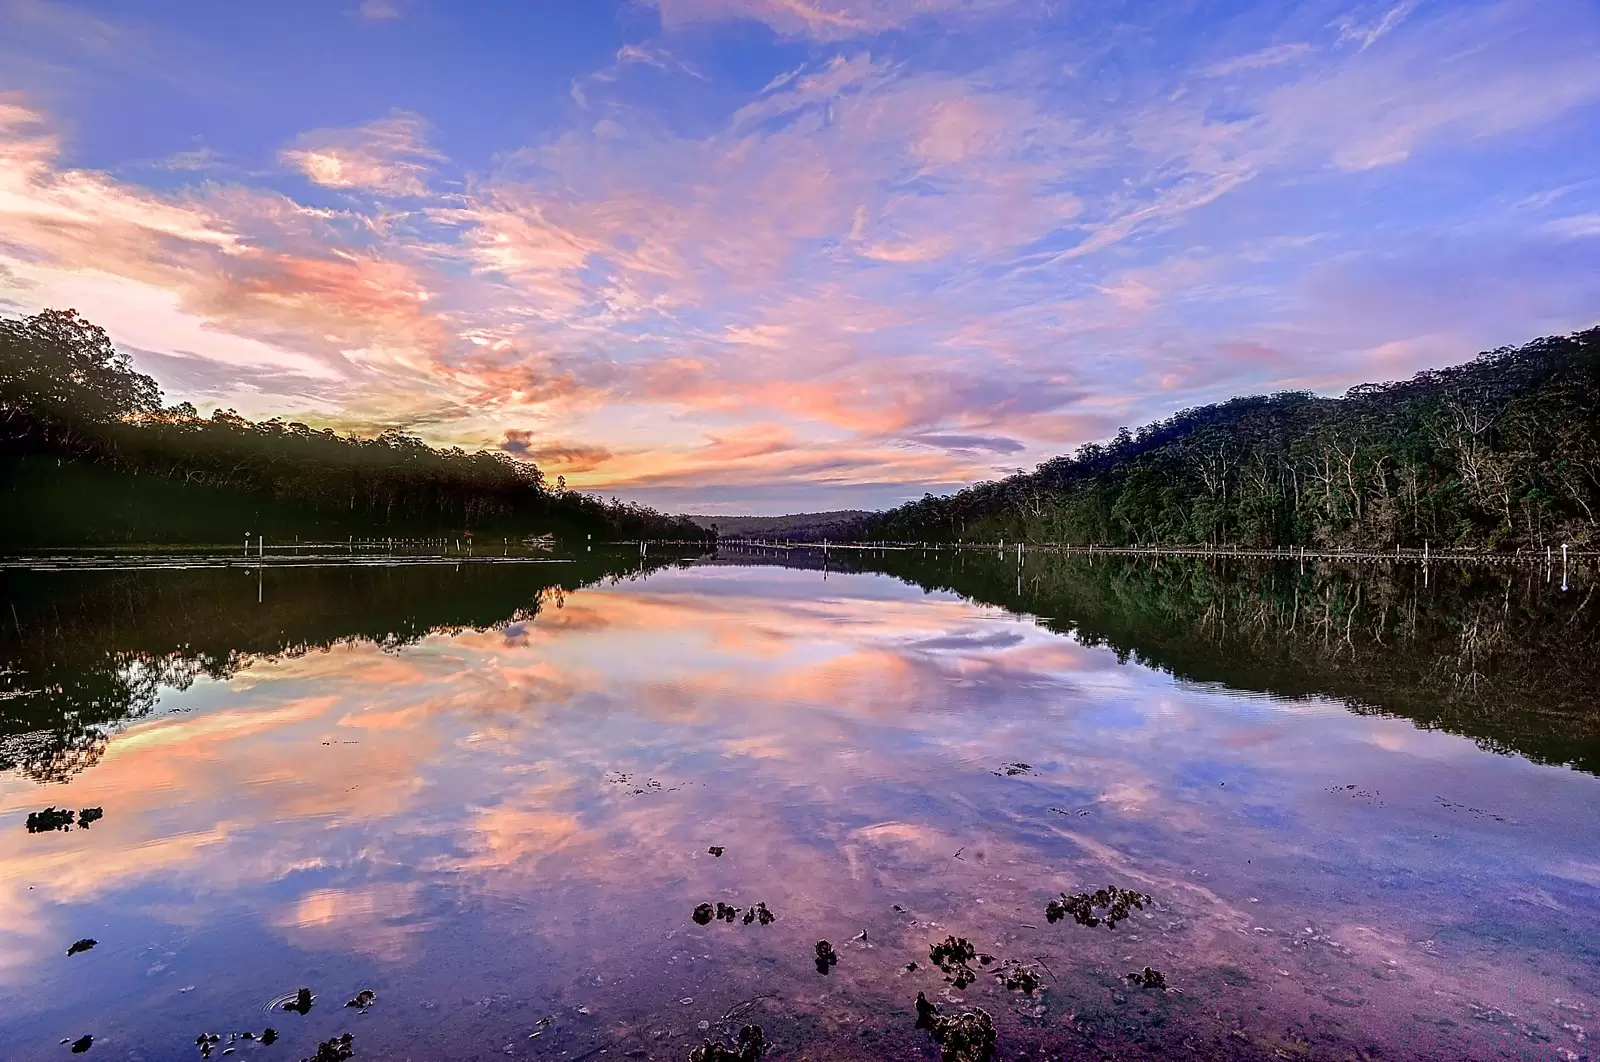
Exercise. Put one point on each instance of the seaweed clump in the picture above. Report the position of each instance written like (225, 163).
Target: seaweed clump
(967, 1037)
(338, 1049)
(51, 819)
(1116, 903)
(1148, 978)
(953, 956)
(1017, 977)
(827, 958)
(752, 1044)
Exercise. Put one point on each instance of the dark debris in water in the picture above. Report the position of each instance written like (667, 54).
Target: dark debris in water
(301, 1003)
(269, 1036)
(725, 912)
(50, 819)
(1008, 770)
(338, 1049)
(967, 1037)
(1116, 903)
(90, 815)
(363, 999)
(81, 945)
(1017, 977)
(953, 957)
(81, 1044)
(751, 1045)
(716, 850)
(827, 958)
(1148, 978)
(207, 1043)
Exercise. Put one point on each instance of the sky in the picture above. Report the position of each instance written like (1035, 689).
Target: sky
(763, 256)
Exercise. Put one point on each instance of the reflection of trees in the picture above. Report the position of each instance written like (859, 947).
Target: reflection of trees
(82, 653)
(1500, 656)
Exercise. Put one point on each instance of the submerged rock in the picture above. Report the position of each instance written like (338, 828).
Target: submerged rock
(50, 819)
(967, 1037)
(81, 945)
(1117, 904)
(752, 1044)
(827, 958)
(1148, 978)
(339, 1049)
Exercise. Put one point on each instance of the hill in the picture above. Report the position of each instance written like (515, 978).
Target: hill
(89, 454)
(1502, 452)
(799, 527)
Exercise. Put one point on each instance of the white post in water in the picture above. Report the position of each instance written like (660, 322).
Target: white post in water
(261, 545)
(247, 543)
(1424, 551)
(1563, 565)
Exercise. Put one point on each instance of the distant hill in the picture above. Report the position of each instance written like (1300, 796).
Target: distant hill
(799, 527)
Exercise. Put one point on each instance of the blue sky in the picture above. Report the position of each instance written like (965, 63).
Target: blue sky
(782, 255)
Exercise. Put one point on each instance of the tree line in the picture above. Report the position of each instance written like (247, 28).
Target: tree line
(1500, 453)
(89, 452)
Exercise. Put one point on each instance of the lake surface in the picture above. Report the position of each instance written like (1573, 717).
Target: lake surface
(1363, 803)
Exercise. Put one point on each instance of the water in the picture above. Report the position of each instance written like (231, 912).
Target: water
(1364, 805)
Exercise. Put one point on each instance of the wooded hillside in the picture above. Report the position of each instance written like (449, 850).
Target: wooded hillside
(1499, 453)
(88, 453)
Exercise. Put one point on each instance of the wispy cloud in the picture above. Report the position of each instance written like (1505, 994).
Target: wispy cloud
(389, 156)
(1265, 59)
(379, 10)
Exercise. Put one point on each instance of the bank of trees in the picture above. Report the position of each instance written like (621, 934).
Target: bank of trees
(88, 452)
(1500, 453)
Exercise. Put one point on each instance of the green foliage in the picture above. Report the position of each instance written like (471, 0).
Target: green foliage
(1500, 453)
(89, 454)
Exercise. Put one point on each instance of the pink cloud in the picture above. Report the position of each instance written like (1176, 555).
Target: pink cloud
(389, 156)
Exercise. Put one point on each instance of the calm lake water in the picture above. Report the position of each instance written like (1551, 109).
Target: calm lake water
(1363, 802)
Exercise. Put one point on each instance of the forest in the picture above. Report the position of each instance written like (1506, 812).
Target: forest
(1501, 453)
(89, 454)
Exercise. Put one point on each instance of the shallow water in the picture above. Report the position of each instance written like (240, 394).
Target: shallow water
(489, 797)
